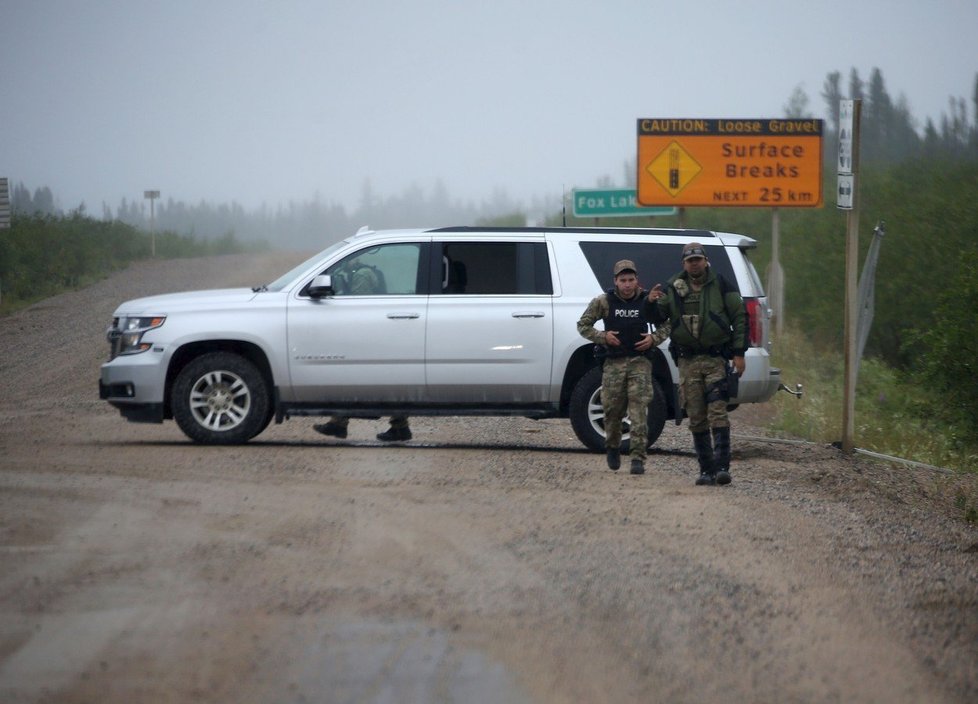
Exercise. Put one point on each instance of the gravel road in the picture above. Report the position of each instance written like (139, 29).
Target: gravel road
(486, 560)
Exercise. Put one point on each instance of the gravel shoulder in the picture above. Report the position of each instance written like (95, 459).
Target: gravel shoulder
(486, 560)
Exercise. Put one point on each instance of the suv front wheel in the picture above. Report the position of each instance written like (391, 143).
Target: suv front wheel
(221, 398)
(587, 415)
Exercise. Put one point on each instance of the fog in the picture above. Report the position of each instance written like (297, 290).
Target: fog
(263, 103)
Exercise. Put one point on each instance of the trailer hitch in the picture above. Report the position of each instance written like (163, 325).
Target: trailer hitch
(797, 393)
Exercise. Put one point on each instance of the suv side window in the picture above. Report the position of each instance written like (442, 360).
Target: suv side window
(390, 269)
(493, 268)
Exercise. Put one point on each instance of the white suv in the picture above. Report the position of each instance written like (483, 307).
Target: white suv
(462, 321)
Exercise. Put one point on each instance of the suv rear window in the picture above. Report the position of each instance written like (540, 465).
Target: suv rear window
(656, 262)
(494, 268)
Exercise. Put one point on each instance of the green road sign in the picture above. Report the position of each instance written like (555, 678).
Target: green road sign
(611, 204)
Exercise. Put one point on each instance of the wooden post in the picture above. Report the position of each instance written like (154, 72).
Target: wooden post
(851, 306)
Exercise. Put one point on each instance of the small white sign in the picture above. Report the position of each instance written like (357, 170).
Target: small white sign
(847, 183)
(845, 136)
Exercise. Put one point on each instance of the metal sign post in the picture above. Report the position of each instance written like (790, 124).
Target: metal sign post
(848, 200)
(152, 195)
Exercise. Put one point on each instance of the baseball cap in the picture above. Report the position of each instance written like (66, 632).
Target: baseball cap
(624, 265)
(693, 249)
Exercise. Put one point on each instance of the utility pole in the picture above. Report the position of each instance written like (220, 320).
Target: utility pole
(152, 195)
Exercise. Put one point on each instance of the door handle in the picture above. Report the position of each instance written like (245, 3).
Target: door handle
(403, 316)
(528, 314)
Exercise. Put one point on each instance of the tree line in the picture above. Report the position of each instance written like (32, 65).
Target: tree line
(890, 135)
(889, 131)
(308, 225)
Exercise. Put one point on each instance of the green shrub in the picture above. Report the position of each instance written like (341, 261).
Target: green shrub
(42, 255)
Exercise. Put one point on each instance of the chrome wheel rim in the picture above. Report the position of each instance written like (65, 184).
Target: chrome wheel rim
(220, 400)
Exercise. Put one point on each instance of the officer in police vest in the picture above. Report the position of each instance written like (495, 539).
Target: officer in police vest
(625, 343)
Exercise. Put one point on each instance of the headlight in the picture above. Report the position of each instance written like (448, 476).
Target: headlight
(126, 334)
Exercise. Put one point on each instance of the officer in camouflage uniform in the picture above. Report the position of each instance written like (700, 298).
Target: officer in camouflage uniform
(709, 327)
(626, 380)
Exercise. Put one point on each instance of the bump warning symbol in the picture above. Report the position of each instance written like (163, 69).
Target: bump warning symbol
(674, 168)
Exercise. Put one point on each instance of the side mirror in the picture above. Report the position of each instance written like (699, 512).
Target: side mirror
(321, 287)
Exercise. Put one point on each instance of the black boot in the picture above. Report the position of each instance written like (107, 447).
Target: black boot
(721, 441)
(704, 455)
(393, 434)
(337, 430)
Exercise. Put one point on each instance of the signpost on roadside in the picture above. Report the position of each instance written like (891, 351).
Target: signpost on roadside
(848, 200)
(152, 195)
(618, 202)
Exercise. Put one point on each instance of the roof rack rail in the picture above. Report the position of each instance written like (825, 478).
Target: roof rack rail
(696, 233)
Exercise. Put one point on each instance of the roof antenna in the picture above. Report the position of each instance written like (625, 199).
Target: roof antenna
(563, 204)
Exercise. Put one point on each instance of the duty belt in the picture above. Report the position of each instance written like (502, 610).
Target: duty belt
(712, 351)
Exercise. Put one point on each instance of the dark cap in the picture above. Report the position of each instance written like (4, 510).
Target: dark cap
(693, 249)
(624, 265)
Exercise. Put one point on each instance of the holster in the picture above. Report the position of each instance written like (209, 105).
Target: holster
(733, 382)
(600, 354)
(725, 389)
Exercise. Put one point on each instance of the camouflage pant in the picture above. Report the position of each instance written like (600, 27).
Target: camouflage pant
(626, 387)
(696, 376)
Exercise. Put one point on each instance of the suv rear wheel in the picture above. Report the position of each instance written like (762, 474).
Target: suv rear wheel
(587, 415)
(221, 398)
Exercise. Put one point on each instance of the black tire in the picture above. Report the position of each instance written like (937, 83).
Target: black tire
(587, 415)
(221, 398)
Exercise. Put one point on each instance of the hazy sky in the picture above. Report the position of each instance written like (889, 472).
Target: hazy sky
(265, 102)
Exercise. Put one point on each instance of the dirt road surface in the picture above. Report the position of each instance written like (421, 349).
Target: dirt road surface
(486, 560)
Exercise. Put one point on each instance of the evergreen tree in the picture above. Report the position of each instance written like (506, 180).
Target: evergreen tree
(877, 120)
(906, 141)
(974, 124)
(20, 200)
(855, 85)
(44, 201)
(797, 105)
(932, 140)
(832, 94)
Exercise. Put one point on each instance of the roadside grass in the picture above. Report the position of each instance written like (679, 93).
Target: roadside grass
(894, 415)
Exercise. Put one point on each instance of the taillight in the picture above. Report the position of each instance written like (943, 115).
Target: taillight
(755, 321)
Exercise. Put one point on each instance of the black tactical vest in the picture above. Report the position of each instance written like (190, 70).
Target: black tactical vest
(629, 319)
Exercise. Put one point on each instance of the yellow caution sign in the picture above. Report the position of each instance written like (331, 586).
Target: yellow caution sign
(707, 162)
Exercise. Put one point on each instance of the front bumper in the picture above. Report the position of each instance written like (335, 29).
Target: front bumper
(132, 384)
